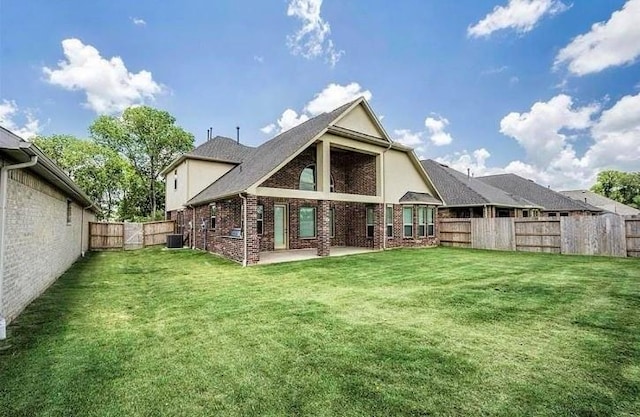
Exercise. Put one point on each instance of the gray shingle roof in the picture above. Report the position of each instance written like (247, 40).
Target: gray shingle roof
(601, 201)
(266, 157)
(539, 195)
(222, 149)
(415, 197)
(8, 140)
(458, 190)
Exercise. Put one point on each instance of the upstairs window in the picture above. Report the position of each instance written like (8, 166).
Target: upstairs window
(175, 179)
(308, 178)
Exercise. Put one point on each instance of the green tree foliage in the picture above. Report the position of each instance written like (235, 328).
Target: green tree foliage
(623, 187)
(149, 139)
(98, 170)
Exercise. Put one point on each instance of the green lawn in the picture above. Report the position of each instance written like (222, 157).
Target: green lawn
(404, 332)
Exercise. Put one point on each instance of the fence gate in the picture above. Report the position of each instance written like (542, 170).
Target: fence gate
(133, 237)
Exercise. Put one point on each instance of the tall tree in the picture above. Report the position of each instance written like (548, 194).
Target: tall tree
(149, 139)
(623, 187)
(98, 170)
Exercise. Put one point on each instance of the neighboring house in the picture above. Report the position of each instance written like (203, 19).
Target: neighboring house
(465, 196)
(334, 180)
(552, 202)
(601, 202)
(43, 224)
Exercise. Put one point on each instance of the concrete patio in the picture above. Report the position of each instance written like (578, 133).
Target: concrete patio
(274, 257)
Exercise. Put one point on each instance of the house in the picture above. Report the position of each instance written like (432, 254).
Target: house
(552, 203)
(335, 180)
(601, 202)
(466, 197)
(43, 224)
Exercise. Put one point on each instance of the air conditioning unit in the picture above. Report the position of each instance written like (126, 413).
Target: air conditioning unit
(174, 241)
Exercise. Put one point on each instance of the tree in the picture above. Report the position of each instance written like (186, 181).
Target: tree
(623, 187)
(150, 140)
(98, 170)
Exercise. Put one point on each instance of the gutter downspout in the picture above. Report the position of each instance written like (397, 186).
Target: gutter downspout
(4, 176)
(384, 202)
(244, 228)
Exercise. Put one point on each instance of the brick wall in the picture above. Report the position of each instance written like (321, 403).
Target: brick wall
(39, 244)
(352, 172)
(399, 241)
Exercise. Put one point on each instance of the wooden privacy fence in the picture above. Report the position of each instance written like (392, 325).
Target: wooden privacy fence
(129, 235)
(607, 235)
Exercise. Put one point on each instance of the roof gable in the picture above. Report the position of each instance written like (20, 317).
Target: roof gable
(361, 119)
(601, 202)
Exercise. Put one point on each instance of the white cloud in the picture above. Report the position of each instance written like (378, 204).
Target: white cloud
(312, 39)
(330, 98)
(108, 85)
(520, 15)
(268, 129)
(138, 21)
(436, 128)
(9, 111)
(615, 42)
(334, 96)
(407, 137)
(289, 119)
(540, 131)
(612, 140)
(259, 59)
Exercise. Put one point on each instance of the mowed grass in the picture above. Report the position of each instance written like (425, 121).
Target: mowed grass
(404, 332)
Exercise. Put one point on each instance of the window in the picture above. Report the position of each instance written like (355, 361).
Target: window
(332, 222)
(308, 178)
(370, 225)
(407, 221)
(175, 179)
(525, 213)
(422, 221)
(502, 213)
(332, 185)
(390, 220)
(564, 214)
(68, 211)
(431, 228)
(307, 226)
(552, 214)
(214, 210)
(259, 218)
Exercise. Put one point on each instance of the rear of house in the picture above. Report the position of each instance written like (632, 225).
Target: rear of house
(336, 180)
(43, 224)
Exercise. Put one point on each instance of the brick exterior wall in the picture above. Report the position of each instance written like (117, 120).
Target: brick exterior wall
(399, 241)
(352, 172)
(39, 244)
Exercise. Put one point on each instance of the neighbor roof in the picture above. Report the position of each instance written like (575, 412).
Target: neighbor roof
(266, 157)
(457, 189)
(544, 197)
(601, 201)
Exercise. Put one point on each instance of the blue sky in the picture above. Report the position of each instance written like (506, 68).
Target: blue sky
(547, 89)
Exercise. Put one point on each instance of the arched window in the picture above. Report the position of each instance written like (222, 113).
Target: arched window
(308, 178)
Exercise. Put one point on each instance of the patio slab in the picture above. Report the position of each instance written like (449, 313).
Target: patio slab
(291, 255)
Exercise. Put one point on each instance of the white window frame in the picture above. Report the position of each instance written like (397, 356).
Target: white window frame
(389, 225)
(371, 225)
(332, 222)
(431, 225)
(260, 219)
(422, 226)
(213, 212)
(315, 178)
(404, 224)
(315, 223)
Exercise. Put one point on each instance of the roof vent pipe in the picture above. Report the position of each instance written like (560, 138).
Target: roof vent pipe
(208, 135)
(468, 173)
(210, 132)
(238, 134)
